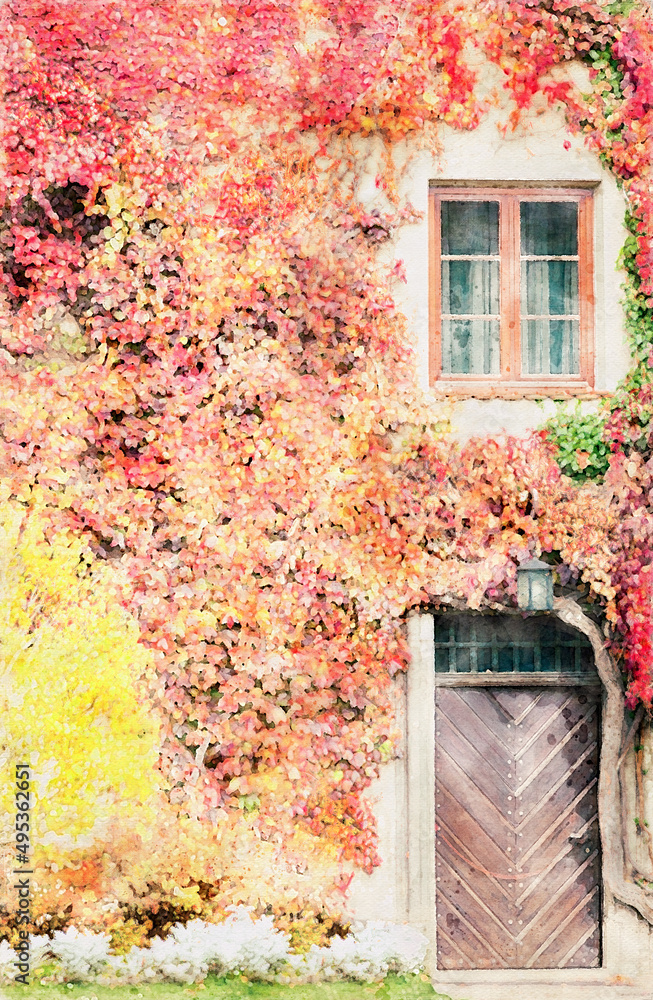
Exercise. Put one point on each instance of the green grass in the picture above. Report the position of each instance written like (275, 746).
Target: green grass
(233, 988)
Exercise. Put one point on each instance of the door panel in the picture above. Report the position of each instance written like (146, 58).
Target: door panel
(517, 840)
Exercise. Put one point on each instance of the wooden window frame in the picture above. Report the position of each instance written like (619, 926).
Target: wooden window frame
(511, 382)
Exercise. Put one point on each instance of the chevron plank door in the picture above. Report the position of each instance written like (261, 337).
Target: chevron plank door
(517, 840)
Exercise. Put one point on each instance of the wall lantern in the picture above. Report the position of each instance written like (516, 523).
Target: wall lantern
(534, 586)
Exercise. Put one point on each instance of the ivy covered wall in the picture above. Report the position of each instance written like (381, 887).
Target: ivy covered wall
(205, 379)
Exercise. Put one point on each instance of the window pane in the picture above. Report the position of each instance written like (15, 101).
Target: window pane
(470, 286)
(442, 661)
(549, 228)
(506, 659)
(470, 346)
(567, 659)
(547, 658)
(549, 287)
(550, 347)
(470, 227)
(526, 659)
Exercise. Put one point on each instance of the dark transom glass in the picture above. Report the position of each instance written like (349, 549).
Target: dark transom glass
(506, 643)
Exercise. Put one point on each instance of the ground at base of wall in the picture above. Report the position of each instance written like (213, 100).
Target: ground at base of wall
(616, 988)
(233, 988)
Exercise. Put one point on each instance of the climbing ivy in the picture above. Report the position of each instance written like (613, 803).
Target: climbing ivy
(204, 376)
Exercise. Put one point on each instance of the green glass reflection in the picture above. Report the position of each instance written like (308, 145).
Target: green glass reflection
(549, 287)
(549, 228)
(470, 286)
(469, 228)
(550, 347)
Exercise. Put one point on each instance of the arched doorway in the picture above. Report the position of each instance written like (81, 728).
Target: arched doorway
(517, 855)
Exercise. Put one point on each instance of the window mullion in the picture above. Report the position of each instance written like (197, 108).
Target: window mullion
(509, 241)
(516, 258)
(586, 288)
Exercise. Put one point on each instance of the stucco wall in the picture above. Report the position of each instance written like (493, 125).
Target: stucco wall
(383, 894)
(640, 808)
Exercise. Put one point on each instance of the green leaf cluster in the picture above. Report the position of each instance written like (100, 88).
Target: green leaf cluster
(639, 316)
(583, 454)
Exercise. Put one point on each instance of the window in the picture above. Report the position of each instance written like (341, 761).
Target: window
(468, 643)
(511, 289)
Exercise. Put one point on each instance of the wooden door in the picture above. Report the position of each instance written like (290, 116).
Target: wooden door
(517, 840)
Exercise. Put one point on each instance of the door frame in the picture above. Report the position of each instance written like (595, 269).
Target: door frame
(420, 817)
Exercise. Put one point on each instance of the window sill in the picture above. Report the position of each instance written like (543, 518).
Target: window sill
(498, 389)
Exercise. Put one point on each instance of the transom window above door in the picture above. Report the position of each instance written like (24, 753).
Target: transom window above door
(511, 289)
(477, 644)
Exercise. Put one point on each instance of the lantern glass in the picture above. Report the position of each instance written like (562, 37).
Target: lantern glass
(523, 589)
(538, 592)
(535, 586)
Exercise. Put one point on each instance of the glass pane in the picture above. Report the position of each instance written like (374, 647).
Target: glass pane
(470, 286)
(442, 661)
(526, 659)
(469, 227)
(550, 347)
(549, 287)
(470, 346)
(548, 659)
(463, 665)
(505, 659)
(567, 659)
(484, 659)
(549, 228)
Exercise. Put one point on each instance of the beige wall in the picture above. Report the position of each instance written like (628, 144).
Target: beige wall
(383, 894)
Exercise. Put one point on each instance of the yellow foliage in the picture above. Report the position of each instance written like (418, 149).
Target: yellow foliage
(71, 668)
(308, 929)
(128, 934)
(109, 849)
